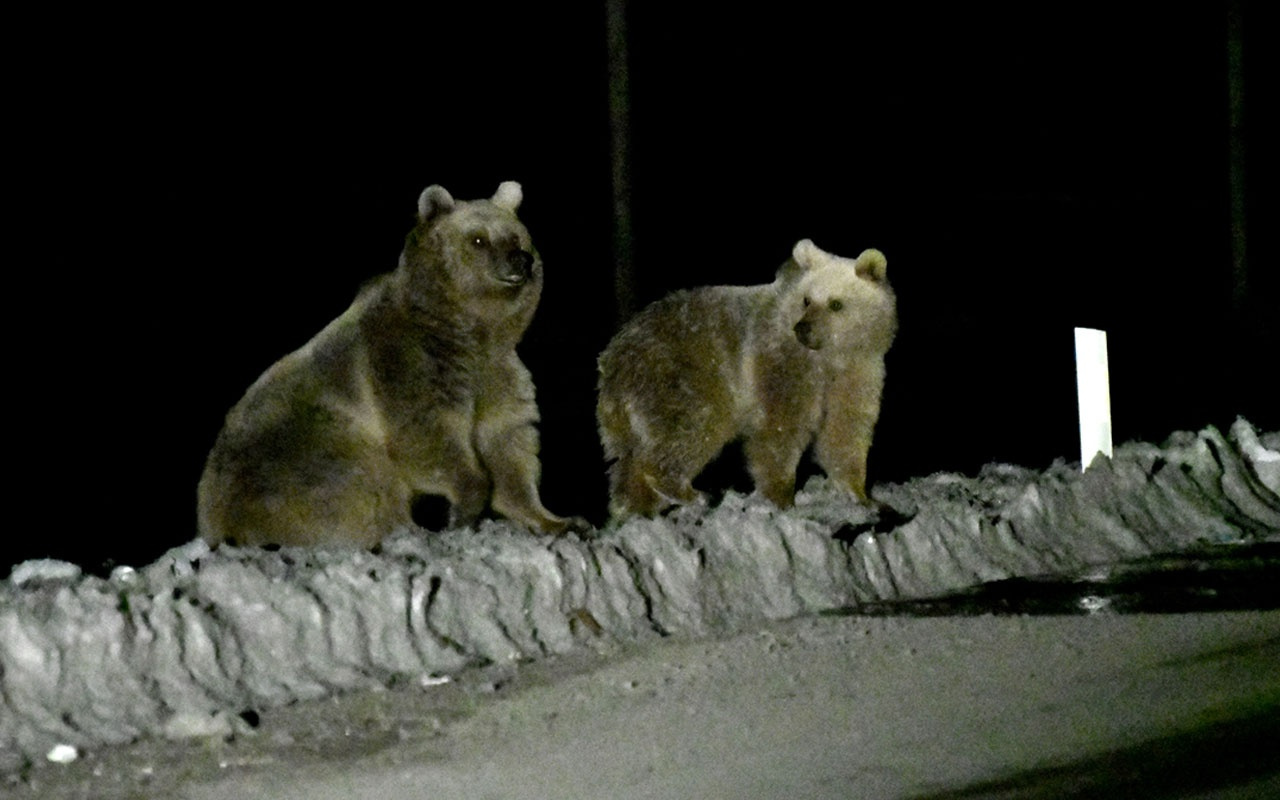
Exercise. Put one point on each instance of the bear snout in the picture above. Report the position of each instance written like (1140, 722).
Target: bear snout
(517, 267)
(804, 332)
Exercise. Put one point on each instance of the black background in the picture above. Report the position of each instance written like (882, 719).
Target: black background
(194, 196)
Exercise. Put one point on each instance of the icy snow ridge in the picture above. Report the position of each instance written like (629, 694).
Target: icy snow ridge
(180, 647)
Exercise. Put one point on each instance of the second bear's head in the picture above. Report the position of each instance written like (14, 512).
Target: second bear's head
(474, 253)
(841, 306)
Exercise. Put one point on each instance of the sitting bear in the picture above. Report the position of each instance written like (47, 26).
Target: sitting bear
(416, 389)
(784, 365)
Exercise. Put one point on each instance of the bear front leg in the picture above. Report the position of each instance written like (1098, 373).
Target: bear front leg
(772, 458)
(846, 466)
(844, 438)
(510, 451)
(507, 443)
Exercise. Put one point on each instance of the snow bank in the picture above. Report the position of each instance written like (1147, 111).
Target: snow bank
(183, 646)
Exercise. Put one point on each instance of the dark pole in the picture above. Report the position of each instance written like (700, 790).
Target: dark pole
(620, 145)
(1236, 161)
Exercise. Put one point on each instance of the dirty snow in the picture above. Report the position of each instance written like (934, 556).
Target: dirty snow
(197, 644)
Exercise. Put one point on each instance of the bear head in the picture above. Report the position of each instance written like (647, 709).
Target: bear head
(843, 306)
(475, 255)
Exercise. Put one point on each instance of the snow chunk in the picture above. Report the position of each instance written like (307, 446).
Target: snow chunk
(1264, 460)
(43, 570)
(62, 754)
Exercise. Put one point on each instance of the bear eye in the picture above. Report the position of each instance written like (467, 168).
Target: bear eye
(807, 301)
(835, 305)
(478, 240)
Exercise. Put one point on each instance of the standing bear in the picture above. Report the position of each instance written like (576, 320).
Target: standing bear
(784, 365)
(416, 389)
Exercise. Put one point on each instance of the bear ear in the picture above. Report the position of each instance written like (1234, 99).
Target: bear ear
(807, 254)
(872, 265)
(434, 201)
(508, 196)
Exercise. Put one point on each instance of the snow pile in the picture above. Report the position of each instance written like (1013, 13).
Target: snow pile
(183, 646)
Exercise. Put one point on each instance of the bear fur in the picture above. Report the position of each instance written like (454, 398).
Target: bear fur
(781, 366)
(416, 389)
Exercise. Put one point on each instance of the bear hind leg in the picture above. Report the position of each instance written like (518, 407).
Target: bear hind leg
(357, 513)
(638, 486)
(468, 495)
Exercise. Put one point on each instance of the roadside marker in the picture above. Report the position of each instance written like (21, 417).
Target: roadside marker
(1093, 390)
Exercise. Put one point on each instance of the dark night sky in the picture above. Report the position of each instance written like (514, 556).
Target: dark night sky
(198, 204)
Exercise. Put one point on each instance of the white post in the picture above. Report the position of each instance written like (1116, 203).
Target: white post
(1093, 390)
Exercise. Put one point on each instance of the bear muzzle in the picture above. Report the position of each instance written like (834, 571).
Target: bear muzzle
(804, 332)
(517, 268)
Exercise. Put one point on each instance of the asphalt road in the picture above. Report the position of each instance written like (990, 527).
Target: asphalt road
(839, 707)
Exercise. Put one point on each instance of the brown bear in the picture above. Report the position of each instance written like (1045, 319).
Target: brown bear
(781, 366)
(415, 390)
